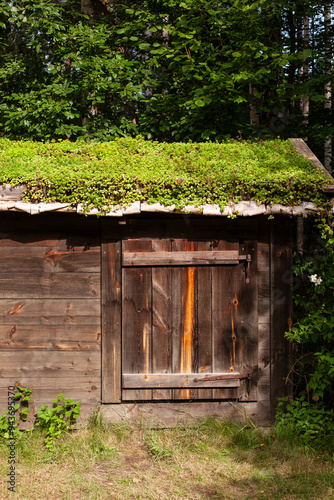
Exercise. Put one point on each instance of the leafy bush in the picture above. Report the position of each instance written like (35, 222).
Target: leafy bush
(311, 424)
(58, 419)
(18, 411)
(310, 416)
(313, 330)
(54, 421)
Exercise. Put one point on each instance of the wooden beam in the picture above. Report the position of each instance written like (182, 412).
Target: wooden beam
(187, 380)
(180, 258)
(304, 150)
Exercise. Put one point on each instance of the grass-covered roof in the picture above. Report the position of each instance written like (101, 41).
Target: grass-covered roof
(120, 172)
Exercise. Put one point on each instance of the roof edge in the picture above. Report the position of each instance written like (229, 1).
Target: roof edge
(305, 151)
(242, 209)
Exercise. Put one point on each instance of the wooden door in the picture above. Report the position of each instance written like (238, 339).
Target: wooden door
(189, 328)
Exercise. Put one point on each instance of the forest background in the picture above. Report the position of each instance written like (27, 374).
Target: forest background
(189, 70)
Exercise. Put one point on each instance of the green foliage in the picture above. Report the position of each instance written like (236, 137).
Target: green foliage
(58, 419)
(310, 417)
(120, 172)
(9, 430)
(17, 411)
(60, 75)
(96, 421)
(312, 425)
(54, 421)
(171, 71)
(313, 330)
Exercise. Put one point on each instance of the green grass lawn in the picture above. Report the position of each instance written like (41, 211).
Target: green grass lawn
(212, 460)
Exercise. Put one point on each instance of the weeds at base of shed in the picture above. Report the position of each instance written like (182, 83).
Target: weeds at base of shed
(214, 459)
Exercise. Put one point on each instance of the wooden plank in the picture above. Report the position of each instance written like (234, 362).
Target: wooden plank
(264, 293)
(70, 225)
(179, 413)
(263, 256)
(185, 353)
(161, 318)
(49, 285)
(263, 336)
(76, 241)
(263, 416)
(28, 312)
(49, 259)
(163, 415)
(137, 318)
(222, 317)
(188, 227)
(180, 258)
(177, 318)
(85, 389)
(174, 380)
(246, 320)
(281, 306)
(49, 364)
(263, 278)
(59, 384)
(51, 337)
(204, 309)
(263, 379)
(111, 321)
(304, 150)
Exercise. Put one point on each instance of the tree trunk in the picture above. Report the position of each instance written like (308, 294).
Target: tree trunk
(87, 8)
(303, 34)
(253, 114)
(328, 83)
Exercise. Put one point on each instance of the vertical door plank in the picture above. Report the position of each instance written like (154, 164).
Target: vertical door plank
(184, 303)
(222, 320)
(204, 294)
(161, 318)
(177, 319)
(111, 321)
(247, 321)
(264, 327)
(136, 320)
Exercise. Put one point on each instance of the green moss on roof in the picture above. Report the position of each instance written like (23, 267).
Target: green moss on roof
(126, 170)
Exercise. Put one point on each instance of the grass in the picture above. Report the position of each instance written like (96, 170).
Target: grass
(214, 460)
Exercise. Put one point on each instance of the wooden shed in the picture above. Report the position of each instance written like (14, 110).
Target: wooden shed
(147, 311)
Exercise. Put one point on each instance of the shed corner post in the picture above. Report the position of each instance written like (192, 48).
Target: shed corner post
(281, 281)
(111, 316)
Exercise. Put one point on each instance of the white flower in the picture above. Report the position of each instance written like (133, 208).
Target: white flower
(314, 279)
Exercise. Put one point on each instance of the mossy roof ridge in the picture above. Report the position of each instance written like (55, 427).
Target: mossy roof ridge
(122, 171)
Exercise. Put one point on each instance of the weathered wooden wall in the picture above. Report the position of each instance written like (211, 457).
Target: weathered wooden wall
(61, 311)
(50, 332)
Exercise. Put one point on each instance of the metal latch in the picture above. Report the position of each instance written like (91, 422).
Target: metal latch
(248, 259)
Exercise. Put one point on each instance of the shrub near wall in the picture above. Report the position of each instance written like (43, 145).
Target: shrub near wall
(311, 414)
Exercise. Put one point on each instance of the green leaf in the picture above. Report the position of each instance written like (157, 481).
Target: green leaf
(144, 46)
(199, 103)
